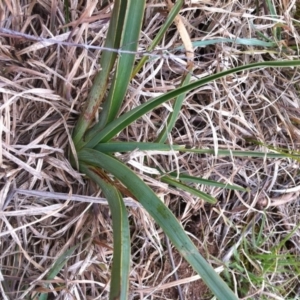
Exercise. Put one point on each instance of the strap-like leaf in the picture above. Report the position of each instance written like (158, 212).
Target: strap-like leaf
(173, 116)
(158, 37)
(121, 234)
(130, 146)
(107, 61)
(189, 189)
(56, 268)
(188, 178)
(112, 147)
(122, 122)
(163, 216)
(129, 40)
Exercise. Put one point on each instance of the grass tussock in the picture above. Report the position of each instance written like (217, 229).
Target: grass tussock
(48, 208)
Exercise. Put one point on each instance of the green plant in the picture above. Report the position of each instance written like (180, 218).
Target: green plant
(56, 268)
(94, 148)
(261, 261)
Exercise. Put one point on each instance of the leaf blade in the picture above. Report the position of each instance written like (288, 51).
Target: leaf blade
(129, 41)
(171, 16)
(107, 60)
(162, 137)
(126, 119)
(163, 216)
(189, 189)
(199, 180)
(130, 146)
(56, 268)
(121, 236)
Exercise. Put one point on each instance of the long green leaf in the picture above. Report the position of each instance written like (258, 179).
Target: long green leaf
(130, 146)
(129, 42)
(121, 256)
(188, 178)
(285, 152)
(272, 10)
(107, 60)
(158, 37)
(112, 147)
(122, 122)
(189, 189)
(237, 41)
(163, 216)
(222, 152)
(56, 268)
(173, 116)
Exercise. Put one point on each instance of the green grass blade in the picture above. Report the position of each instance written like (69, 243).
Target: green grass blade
(173, 13)
(282, 243)
(56, 268)
(163, 216)
(67, 13)
(293, 154)
(113, 147)
(259, 34)
(121, 256)
(189, 189)
(131, 146)
(174, 114)
(237, 41)
(188, 178)
(243, 153)
(107, 60)
(60, 262)
(122, 122)
(273, 13)
(129, 42)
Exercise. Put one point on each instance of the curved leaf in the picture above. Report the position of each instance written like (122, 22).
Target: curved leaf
(107, 61)
(113, 128)
(173, 116)
(188, 178)
(121, 234)
(130, 146)
(163, 216)
(237, 41)
(129, 41)
(158, 37)
(189, 189)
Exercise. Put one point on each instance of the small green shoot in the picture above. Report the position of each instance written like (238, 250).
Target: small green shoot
(57, 267)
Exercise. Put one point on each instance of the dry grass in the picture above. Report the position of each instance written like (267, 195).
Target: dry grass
(47, 207)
